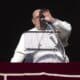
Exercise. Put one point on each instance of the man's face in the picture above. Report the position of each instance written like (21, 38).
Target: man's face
(36, 17)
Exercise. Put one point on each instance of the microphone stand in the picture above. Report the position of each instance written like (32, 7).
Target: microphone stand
(51, 27)
(59, 45)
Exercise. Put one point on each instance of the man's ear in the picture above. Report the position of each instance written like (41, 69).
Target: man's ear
(33, 21)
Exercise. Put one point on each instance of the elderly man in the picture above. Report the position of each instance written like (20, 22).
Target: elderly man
(45, 42)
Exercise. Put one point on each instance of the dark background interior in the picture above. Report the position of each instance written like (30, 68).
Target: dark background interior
(16, 18)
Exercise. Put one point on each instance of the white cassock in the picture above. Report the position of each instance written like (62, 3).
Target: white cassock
(43, 45)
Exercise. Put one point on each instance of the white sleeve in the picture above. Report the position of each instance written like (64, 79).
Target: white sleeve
(19, 53)
(65, 30)
(63, 24)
